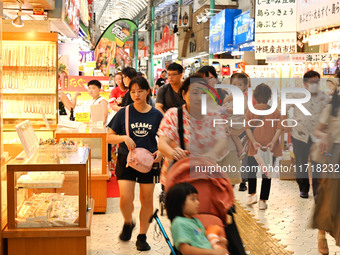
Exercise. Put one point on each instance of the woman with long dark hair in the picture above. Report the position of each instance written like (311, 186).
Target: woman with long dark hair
(327, 208)
(143, 123)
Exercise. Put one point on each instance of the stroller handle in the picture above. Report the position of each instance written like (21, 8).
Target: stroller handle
(153, 216)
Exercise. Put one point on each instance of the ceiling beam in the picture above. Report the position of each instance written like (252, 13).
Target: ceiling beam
(102, 11)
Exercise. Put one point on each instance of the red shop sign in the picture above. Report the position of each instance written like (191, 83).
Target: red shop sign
(79, 83)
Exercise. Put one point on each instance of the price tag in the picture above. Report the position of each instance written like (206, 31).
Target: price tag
(83, 116)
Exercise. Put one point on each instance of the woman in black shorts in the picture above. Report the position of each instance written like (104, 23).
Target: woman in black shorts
(144, 121)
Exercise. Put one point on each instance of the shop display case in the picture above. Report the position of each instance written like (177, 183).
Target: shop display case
(95, 138)
(49, 206)
(29, 83)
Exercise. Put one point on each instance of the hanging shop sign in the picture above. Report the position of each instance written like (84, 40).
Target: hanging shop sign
(334, 47)
(275, 16)
(86, 56)
(277, 58)
(325, 57)
(318, 13)
(274, 43)
(107, 51)
(84, 12)
(324, 37)
(298, 58)
(255, 71)
(91, 8)
(243, 29)
(221, 31)
(166, 44)
(72, 14)
(184, 15)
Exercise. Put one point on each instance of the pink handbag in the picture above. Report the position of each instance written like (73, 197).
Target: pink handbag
(139, 159)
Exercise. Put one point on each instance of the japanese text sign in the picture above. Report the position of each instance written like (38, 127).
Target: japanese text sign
(274, 43)
(318, 13)
(275, 16)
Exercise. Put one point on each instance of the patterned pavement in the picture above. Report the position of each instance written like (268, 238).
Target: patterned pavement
(287, 217)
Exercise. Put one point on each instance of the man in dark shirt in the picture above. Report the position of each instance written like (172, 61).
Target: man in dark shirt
(167, 96)
(161, 81)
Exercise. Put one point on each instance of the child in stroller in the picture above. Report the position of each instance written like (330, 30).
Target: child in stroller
(214, 193)
(187, 231)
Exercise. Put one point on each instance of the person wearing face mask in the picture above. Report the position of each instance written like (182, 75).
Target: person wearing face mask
(302, 133)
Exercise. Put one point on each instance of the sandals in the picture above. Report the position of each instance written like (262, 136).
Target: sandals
(322, 244)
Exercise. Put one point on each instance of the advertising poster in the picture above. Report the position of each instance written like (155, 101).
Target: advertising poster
(109, 52)
(184, 16)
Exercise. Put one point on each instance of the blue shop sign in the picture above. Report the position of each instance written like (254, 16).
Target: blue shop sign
(243, 29)
(221, 31)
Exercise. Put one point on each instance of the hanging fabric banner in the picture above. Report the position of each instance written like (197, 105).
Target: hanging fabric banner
(109, 44)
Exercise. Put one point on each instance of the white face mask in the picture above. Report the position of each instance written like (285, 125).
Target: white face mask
(313, 87)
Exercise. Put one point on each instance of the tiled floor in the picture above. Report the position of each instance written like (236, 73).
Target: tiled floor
(287, 217)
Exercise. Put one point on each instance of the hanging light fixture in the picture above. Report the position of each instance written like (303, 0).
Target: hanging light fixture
(18, 21)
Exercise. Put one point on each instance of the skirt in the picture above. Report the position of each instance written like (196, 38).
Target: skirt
(327, 204)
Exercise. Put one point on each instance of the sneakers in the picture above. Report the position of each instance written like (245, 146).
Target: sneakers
(141, 243)
(242, 186)
(303, 194)
(126, 232)
(263, 205)
(252, 200)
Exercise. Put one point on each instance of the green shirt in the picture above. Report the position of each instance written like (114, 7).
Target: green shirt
(190, 231)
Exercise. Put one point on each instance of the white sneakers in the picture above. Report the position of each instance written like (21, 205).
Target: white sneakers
(253, 200)
(263, 205)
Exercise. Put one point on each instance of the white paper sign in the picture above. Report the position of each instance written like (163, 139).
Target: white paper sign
(274, 43)
(275, 16)
(318, 13)
(334, 47)
(325, 57)
(255, 71)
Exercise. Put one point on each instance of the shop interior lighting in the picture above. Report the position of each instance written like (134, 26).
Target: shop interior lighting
(18, 21)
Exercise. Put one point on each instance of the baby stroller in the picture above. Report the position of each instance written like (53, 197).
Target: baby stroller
(215, 195)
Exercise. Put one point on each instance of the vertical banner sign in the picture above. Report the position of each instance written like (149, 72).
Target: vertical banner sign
(243, 29)
(216, 36)
(267, 43)
(72, 14)
(318, 13)
(109, 52)
(275, 16)
(86, 56)
(184, 16)
(91, 8)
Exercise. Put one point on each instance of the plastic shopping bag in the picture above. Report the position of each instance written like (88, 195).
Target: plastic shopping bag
(264, 159)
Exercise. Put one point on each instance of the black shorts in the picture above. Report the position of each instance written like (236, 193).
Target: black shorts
(128, 173)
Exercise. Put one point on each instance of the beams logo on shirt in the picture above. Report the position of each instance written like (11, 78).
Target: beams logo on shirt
(141, 129)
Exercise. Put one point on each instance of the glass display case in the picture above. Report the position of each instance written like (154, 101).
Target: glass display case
(94, 138)
(49, 201)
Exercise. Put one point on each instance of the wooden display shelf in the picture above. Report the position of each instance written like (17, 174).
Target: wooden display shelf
(36, 127)
(52, 241)
(98, 181)
(29, 68)
(5, 92)
(29, 36)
